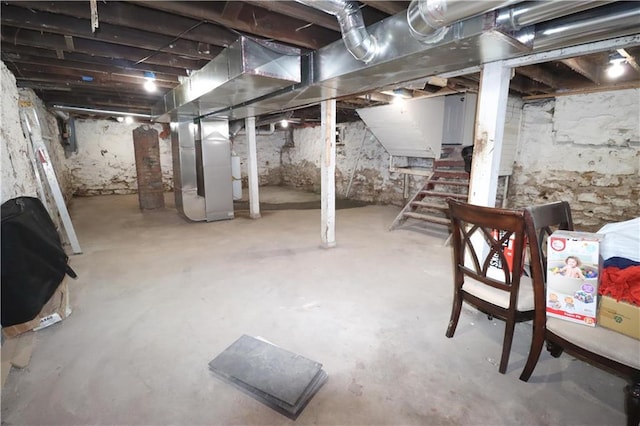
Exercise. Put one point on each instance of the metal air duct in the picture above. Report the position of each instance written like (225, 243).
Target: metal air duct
(245, 70)
(429, 19)
(532, 12)
(617, 20)
(356, 38)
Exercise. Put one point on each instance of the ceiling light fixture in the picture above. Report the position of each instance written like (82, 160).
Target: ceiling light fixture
(128, 119)
(150, 83)
(616, 68)
(284, 123)
(120, 119)
(402, 93)
(616, 65)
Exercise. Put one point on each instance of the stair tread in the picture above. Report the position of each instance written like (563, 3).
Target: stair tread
(460, 174)
(449, 161)
(443, 194)
(430, 205)
(428, 218)
(449, 182)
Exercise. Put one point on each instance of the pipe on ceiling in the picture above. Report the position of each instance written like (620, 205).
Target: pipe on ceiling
(532, 12)
(359, 42)
(429, 20)
(610, 21)
(102, 112)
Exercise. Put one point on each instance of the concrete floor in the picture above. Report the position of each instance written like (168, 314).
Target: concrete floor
(158, 297)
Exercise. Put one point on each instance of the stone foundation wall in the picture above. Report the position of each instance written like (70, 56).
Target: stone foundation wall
(584, 149)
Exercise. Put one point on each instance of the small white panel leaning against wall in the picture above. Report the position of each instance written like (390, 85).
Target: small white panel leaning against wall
(410, 128)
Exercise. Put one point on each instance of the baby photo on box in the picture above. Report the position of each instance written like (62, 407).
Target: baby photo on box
(573, 272)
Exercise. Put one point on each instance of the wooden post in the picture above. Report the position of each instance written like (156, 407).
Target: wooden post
(487, 149)
(327, 172)
(252, 168)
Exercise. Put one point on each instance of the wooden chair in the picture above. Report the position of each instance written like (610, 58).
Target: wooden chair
(605, 348)
(483, 276)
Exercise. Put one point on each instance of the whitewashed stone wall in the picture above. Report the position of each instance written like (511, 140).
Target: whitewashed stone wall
(105, 163)
(294, 160)
(18, 178)
(268, 152)
(584, 149)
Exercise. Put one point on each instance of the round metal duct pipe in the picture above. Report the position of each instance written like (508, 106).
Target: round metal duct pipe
(529, 12)
(610, 21)
(359, 42)
(429, 20)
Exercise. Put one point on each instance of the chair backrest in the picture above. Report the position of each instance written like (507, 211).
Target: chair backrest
(544, 219)
(488, 245)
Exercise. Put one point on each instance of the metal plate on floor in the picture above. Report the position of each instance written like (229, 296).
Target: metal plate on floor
(275, 376)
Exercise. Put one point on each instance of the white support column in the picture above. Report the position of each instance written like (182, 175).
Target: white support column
(328, 174)
(252, 168)
(487, 149)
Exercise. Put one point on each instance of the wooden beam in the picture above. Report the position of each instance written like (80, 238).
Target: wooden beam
(43, 77)
(590, 89)
(87, 68)
(75, 27)
(299, 11)
(252, 168)
(390, 7)
(487, 151)
(90, 47)
(131, 16)
(253, 20)
(584, 67)
(328, 174)
(539, 74)
(630, 59)
(14, 53)
(232, 9)
(96, 76)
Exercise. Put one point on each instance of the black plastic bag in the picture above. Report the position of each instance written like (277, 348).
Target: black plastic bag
(34, 262)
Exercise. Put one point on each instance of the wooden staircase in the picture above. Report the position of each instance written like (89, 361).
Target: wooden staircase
(429, 205)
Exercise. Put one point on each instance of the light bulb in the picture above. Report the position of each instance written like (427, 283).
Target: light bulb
(284, 124)
(150, 85)
(128, 119)
(616, 69)
(120, 119)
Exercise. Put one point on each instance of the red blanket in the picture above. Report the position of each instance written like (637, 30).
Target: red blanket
(621, 284)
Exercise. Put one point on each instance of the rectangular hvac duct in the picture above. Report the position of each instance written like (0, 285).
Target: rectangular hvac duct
(245, 70)
(336, 73)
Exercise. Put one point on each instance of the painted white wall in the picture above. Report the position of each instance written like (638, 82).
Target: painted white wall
(512, 122)
(268, 151)
(584, 149)
(105, 162)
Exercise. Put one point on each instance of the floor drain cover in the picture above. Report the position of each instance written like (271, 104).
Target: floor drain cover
(281, 379)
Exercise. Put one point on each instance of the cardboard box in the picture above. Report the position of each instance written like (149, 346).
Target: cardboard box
(55, 310)
(620, 316)
(573, 275)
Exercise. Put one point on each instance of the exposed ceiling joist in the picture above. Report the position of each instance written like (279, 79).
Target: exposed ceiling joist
(252, 20)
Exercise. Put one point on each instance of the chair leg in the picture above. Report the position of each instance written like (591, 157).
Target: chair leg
(554, 349)
(509, 328)
(633, 403)
(455, 314)
(537, 341)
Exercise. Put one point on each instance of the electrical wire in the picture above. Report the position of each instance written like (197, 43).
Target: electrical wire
(176, 38)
